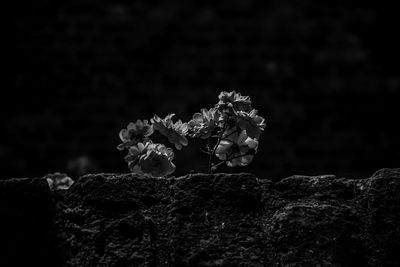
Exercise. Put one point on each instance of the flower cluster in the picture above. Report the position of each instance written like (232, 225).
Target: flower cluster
(146, 158)
(233, 124)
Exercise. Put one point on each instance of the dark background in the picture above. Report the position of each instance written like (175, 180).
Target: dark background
(323, 73)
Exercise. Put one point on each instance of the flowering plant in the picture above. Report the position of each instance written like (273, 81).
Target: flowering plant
(232, 129)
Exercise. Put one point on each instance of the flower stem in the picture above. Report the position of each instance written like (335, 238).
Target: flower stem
(226, 136)
(216, 145)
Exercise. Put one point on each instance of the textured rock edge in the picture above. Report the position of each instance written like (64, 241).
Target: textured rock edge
(28, 205)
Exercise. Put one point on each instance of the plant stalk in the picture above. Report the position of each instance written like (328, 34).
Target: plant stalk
(216, 145)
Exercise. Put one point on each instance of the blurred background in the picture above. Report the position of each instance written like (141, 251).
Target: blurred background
(324, 74)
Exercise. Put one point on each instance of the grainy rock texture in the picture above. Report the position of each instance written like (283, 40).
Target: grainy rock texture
(204, 220)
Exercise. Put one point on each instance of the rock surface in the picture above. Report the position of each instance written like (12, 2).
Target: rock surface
(203, 220)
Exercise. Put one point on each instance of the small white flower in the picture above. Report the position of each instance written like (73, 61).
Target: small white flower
(135, 152)
(157, 162)
(229, 102)
(134, 133)
(203, 124)
(250, 122)
(237, 149)
(151, 160)
(175, 132)
(59, 181)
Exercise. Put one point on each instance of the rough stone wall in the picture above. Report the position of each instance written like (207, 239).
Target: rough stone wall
(203, 220)
(322, 72)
